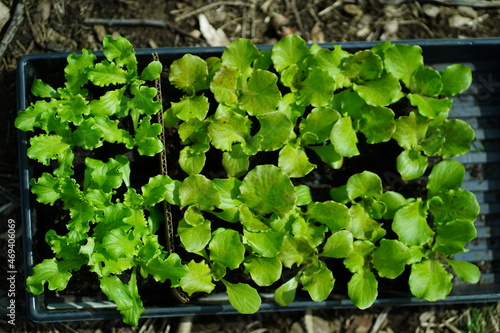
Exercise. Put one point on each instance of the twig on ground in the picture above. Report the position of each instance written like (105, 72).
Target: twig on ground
(185, 324)
(380, 320)
(15, 22)
(211, 5)
(475, 3)
(140, 22)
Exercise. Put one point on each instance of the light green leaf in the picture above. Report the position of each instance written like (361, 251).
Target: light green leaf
(466, 271)
(393, 201)
(290, 50)
(390, 258)
(226, 248)
(446, 175)
(236, 161)
(426, 81)
(410, 223)
(111, 132)
(334, 215)
(429, 106)
(319, 283)
(113, 102)
(285, 294)
(362, 288)
(402, 60)
(73, 110)
(46, 188)
(121, 51)
(56, 273)
(199, 278)
(199, 190)
(320, 122)
(293, 161)
(316, 89)
(43, 90)
(106, 175)
(77, 69)
(362, 225)
(328, 155)
(355, 261)
(126, 297)
(410, 130)
(170, 268)
(338, 245)
(155, 190)
(191, 107)
(294, 250)
(104, 74)
(264, 271)
(458, 137)
(267, 189)
(240, 54)
(364, 184)
(87, 135)
(452, 237)
(454, 205)
(45, 147)
(228, 128)
(363, 66)
(330, 61)
(377, 124)
(456, 78)
(194, 238)
(429, 280)
(266, 244)
(225, 86)
(276, 129)
(189, 73)
(144, 101)
(192, 159)
(380, 92)
(243, 297)
(261, 94)
(152, 71)
(343, 137)
(411, 164)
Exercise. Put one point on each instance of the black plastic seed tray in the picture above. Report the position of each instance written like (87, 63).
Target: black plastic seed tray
(479, 105)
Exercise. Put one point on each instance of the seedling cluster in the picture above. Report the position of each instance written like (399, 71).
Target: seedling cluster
(303, 109)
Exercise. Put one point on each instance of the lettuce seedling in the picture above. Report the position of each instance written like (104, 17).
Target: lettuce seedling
(299, 109)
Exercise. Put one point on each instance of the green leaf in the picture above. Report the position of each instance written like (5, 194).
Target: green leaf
(334, 215)
(120, 244)
(410, 130)
(381, 92)
(319, 284)
(226, 248)
(294, 250)
(356, 260)
(144, 101)
(194, 238)
(362, 289)
(306, 230)
(240, 54)
(410, 224)
(261, 94)
(155, 190)
(320, 122)
(402, 60)
(429, 280)
(456, 78)
(466, 271)
(362, 226)
(199, 278)
(104, 74)
(45, 147)
(316, 89)
(170, 268)
(87, 135)
(152, 71)
(330, 61)
(197, 189)
(293, 161)
(77, 69)
(191, 107)
(56, 273)
(338, 245)
(363, 185)
(390, 258)
(363, 66)
(393, 201)
(250, 221)
(189, 73)
(236, 161)
(446, 175)
(452, 237)
(228, 128)
(458, 137)
(243, 298)
(106, 175)
(343, 137)
(411, 164)
(192, 159)
(267, 189)
(126, 297)
(43, 90)
(276, 129)
(111, 132)
(266, 244)
(429, 106)
(426, 81)
(377, 124)
(146, 137)
(328, 155)
(121, 51)
(46, 188)
(73, 110)
(290, 50)
(264, 271)
(454, 205)
(113, 102)
(225, 86)
(285, 294)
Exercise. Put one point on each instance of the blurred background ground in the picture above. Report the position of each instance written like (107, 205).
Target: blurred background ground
(44, 26)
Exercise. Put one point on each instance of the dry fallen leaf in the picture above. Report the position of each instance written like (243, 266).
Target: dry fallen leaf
(214, 37)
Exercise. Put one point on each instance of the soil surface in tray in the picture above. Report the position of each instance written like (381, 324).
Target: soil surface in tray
(60, 25)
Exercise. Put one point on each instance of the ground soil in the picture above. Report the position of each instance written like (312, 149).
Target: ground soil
(62, 25)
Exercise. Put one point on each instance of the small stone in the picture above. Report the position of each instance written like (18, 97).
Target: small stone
(467, 11)
(459, 21)
(363, 32)
(4, 14)
(431, 10)
(391, 27)
(352, 9)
